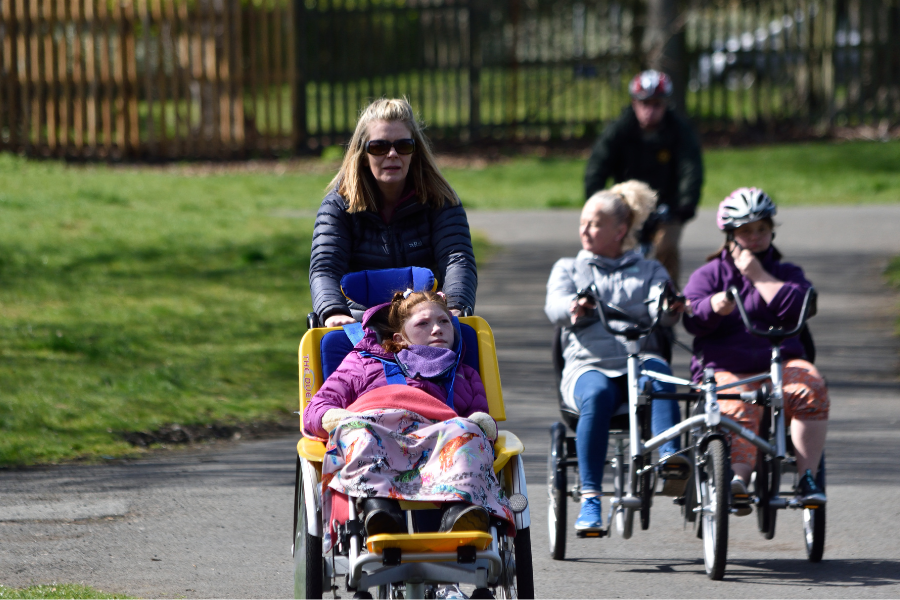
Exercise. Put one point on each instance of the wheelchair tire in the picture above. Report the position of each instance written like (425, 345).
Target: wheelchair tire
(715, 503)
(814, 522)
(309, 566)
(524, 564)
(557, 485)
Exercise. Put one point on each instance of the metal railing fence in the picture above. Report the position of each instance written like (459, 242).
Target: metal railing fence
(173, 79)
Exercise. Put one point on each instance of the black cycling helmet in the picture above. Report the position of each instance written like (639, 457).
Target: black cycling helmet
(650, 84)
(742, 206)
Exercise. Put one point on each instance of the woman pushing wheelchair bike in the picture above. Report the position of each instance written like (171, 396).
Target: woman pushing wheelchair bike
(595, 372)
(773, 294)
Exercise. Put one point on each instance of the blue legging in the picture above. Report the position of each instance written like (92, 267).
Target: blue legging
(597, 397)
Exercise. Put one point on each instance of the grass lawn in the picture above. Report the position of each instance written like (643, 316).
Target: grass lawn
(135, 298)
(795, 175)
(54, 591)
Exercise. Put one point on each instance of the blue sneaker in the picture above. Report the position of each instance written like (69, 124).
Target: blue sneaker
(591, 516)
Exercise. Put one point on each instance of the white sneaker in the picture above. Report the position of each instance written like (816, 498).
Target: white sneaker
(740, 497)
(449, 592)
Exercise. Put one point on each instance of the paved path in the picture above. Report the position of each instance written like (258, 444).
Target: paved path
(216, 522)
(844, 252)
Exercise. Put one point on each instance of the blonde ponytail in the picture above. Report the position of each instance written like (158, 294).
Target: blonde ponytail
(641, 199)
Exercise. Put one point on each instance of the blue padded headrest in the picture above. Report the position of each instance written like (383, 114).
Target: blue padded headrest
(371, 288)
(336, 345)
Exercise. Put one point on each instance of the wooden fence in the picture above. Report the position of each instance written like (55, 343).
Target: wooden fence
(145, 78)
(173, 79)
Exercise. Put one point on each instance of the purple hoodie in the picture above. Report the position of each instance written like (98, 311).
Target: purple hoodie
(723, 342)
(359, 374)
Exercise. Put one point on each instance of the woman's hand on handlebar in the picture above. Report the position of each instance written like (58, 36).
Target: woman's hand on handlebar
(677, 304)
(580, 307)
(721, 304)
(339, 320)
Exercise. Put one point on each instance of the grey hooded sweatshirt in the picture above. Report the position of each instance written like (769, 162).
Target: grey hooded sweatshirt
(626, 282)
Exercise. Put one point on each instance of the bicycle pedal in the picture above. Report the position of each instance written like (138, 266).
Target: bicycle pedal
(591, 534)
(674, 472)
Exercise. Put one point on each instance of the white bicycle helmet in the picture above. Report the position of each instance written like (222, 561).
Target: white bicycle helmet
(650, 84)
(742, 206)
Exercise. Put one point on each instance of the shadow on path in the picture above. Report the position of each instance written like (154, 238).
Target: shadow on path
(771, 572)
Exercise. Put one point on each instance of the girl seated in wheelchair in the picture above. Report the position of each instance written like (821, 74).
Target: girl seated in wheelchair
(392, 415)
(772, 292)
(593, 380)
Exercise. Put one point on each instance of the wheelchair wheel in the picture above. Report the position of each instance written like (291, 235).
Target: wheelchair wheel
(814, 522)
(713, 471)
(309, 566)
(517, 573)
(524, 565)
(557, 490)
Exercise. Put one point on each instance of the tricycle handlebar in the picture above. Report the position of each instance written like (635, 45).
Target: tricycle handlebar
(807, 311)
(608, 312)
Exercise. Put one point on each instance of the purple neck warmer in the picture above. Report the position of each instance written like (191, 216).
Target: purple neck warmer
(426, 362)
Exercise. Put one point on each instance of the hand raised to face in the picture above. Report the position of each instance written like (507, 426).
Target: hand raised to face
(746, 262)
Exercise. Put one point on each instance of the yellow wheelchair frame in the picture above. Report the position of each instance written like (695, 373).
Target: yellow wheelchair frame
(412, 562)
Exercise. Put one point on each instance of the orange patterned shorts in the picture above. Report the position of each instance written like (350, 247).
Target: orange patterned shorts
(805, 397)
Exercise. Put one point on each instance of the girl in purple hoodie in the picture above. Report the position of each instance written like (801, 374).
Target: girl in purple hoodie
(772, 292)
(406, 441)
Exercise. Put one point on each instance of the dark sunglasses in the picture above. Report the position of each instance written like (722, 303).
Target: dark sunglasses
(382, 147)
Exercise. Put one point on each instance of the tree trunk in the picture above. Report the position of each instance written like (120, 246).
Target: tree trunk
(663, 45)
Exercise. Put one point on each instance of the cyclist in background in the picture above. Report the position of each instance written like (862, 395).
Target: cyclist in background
(652, 143)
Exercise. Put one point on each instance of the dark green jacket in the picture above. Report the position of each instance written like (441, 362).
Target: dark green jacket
(668, 160)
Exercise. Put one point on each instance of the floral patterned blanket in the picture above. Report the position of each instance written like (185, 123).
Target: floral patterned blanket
(397, 453)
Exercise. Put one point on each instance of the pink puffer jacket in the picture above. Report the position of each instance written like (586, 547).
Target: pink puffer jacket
(358, 374)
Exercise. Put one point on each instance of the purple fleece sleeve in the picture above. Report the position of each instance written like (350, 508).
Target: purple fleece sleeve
(700, 288)
(788, 301)
(340, 390)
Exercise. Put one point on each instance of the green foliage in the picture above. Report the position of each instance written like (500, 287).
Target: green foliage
(55, 591)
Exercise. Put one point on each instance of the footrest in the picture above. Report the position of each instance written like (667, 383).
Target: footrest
(429, 542)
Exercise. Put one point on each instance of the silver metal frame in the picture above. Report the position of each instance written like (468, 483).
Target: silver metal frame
(365, 570)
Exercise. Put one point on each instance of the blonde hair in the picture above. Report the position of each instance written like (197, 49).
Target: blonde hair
(355, 182)
(400, 311)
(629, 202)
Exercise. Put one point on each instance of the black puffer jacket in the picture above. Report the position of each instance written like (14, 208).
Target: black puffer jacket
(417, 236)
(667, 160)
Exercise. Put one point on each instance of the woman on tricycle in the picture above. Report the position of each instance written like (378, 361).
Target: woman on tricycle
(772, 292)
(595, 361)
